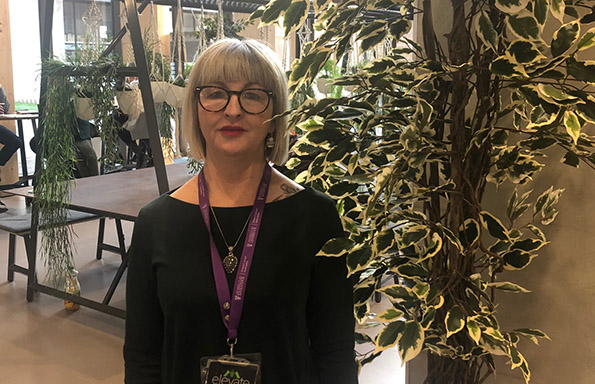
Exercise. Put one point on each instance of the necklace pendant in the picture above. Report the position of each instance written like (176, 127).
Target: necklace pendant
(230, 262)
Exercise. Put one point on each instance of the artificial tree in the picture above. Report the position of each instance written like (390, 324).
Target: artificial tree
(409, 153)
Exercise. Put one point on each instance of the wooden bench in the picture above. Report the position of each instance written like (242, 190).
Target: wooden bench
(17, 222)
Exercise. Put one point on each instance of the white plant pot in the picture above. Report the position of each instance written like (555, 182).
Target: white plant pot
(159, 90)
(84, 108)
(130, 102)
(137, 127)
(175, 96)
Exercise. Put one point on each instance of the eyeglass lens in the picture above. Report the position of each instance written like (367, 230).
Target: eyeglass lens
(215, 99)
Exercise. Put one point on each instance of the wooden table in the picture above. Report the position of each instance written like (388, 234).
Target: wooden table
(19, 117)
(120, 196)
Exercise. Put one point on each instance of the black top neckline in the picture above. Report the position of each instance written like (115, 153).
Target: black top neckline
(270, 203)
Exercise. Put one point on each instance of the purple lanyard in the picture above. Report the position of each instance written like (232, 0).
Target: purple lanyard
(231, 308)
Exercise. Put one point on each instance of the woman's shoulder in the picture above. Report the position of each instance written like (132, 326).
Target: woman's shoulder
(307, 202)
(155, 208)
(282, 187)
(188, 192)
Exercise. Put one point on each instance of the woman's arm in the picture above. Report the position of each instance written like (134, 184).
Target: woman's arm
(144, 318)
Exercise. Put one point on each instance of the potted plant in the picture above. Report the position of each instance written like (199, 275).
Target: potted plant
(409, 153)
(129, 99)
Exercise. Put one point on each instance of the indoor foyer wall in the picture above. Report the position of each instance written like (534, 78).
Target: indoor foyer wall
(562, 284)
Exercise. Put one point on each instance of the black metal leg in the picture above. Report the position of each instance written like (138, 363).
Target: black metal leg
(25, 176)
(116, 280)
(11, 255)
(123, 265)
(100, 238)
(121, 241)
(31, 258)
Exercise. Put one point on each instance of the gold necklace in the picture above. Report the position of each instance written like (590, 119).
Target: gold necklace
(230, 262)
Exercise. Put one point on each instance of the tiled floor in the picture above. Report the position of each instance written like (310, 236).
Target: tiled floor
(41, 343)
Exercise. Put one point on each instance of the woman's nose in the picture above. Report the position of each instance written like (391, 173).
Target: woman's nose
(233, 107)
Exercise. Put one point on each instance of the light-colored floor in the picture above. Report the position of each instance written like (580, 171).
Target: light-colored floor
(42, 343)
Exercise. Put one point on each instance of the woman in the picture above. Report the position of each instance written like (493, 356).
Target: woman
(185, 309)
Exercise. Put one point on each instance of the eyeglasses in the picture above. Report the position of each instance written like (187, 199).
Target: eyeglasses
(252, 100)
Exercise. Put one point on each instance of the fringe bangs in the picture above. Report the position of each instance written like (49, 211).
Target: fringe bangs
(236, 64)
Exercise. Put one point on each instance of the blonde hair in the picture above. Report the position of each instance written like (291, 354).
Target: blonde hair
(231, 60)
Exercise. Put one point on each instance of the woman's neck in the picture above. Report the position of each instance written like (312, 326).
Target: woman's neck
(232, 184)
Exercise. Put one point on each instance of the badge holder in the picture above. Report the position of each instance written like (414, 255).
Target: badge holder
(231, 369)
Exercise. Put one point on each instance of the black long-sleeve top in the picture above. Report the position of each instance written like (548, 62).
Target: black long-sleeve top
(298, 307)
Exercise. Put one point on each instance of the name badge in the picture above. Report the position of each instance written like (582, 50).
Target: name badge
(239, 369)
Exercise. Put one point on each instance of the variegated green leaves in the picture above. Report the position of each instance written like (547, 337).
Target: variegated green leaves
(513, 247)
(407, 335)
(339, 23)
(587, 41)
(408, 165)
(531, 58)
(454, 321)
(511, 6)
(565, 37)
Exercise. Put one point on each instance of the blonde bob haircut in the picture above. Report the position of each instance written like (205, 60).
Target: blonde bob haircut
(231, 60)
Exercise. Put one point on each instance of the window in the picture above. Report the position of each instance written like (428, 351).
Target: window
(74, 28)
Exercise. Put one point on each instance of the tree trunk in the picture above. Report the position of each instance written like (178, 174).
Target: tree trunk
(443, 369)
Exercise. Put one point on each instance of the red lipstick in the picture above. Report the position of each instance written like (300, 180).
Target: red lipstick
(232, 130)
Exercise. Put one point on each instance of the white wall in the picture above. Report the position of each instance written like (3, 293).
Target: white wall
(26, 56)
(26, 62)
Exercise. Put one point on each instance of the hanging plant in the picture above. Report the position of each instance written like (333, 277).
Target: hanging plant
(160, 76)
(231, 28)
(84, 75)
(103, 79)
(97, 81)
(56, 148)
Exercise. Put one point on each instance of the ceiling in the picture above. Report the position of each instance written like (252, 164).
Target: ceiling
(248, 6)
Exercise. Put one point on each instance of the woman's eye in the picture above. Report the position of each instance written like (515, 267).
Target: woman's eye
(253, 95)
(216, 95)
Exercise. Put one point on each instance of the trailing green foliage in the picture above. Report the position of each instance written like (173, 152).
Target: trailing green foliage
(52, 193)
(165, 112)
(58, 152)
(409, 152)
(160, 70)
(103, 85)
(98, 80)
